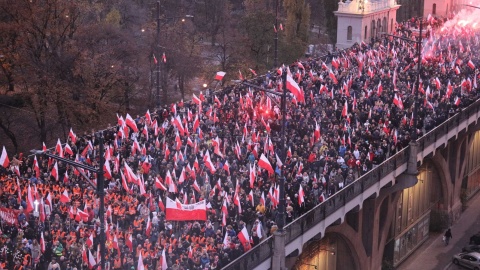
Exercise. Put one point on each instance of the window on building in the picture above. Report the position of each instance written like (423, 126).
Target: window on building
(379, 27)
(372, 29)
(434, 9)
(349, 33)
(384, 25)
(391, 25)
(365, 34)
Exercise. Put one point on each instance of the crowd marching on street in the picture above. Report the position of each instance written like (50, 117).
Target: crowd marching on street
(195, 185)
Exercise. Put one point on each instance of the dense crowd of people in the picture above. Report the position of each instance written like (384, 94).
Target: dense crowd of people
(354, 110)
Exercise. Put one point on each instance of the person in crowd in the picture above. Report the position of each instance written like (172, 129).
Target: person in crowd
(349, 113)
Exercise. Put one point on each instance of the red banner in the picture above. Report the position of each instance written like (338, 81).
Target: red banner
(9, 216)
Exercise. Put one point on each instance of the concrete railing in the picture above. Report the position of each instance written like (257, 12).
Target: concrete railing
(264, 251)
(363, 6)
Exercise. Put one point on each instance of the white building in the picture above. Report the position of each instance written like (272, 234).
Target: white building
(361, 20)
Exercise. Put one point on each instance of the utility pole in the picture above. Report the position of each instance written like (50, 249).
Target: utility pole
(275, 59)
(158, 55)
(101, 197)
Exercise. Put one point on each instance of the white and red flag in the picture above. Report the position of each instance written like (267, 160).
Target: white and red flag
(42, 243)
(178, 211)
(265, 164)
(131, 123)
(398, 101)
(163, 262)
(72, 136)
(219, 76)
(301, 195)
(65, 198)
(243, 237)
(89, 241)
(4, 161)
(471, 64)
(293, 87)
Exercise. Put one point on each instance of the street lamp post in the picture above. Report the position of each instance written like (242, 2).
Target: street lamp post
(100, 188)
(275, 59)
(158, 54)
(278, 260)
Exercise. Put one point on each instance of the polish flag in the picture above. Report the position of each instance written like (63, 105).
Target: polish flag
(91, 260)
(131, 123)
(209, 163)
(130, 175)
(252, 175)
(449, 90)
(317, 131)
(89, 241)
(59, 148)
(323, 88)
(164, 261)
(293, 87)
(54, 171)
(160, 204)
(457, 101)
(226, 167)
(65, 198)
(178, 211)
(196, 186)
(36, 168)
(457, 70)
(42, 243)
(262, 199)
(182, 177)
(471, 64)
(106, 169)
(243, 237)
(226, 242)
(124, 182)
(30, 206)
(42, 210)
(49, 200)
(128, 242)
(438, 84)
(148, 228)
(72, 136)
(4, 161)
(178, 123)
(219, 76)
(169, 182)
(289, 152)
(84, 255)
(196, 100)
(398, 101)
(140, 265)
(301, 195)
(265, 164)
(379, 89)
(142, 187)
(253, 72)
(345, 109)
(148, 117)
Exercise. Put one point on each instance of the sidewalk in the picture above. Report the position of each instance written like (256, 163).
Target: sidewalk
(433, 254)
